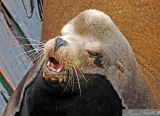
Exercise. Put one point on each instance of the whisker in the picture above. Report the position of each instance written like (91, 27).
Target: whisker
(27, 52)
(68, 75)
(81, 72)
(18, 46)
(27, 57)
(66, 85)
(72, 76)
(29, 66)
(70, 79)
(71, 83)
(18, 56)
(78, 80)
(30, 39)
(38, 55)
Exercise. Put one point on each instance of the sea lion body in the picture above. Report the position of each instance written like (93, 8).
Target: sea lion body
(89, 44)
(41, 99)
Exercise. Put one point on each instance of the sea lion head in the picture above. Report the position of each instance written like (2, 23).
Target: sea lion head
(78, 49)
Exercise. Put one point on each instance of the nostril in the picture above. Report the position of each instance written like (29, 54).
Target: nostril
(58, 43)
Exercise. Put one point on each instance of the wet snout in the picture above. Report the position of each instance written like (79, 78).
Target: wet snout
(58, 43)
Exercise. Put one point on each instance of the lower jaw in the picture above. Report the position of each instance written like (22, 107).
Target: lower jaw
(53, 77)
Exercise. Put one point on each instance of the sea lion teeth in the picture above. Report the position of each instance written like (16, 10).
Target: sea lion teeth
(59, 68)
(49, 64)
(54, 78)
(45, 74)
(60, 80)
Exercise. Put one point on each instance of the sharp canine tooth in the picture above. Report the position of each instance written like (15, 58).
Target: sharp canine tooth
(60, 80)
(46, 75)
(59, 70)
(43, 74)
(48, 63)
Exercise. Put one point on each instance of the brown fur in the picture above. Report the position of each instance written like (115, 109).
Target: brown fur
(93, 30)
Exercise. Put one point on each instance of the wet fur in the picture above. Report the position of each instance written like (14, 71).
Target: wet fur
(95, 31)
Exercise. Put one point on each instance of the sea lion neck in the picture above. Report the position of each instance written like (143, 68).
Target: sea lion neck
(40, 99)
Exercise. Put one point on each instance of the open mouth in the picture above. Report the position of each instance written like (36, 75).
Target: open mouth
(53, 70)
(53, 65)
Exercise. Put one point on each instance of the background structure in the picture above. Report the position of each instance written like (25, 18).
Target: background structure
(138, 20)
(19, 20)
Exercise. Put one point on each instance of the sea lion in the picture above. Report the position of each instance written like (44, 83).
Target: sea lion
(93, 44)
(89, 47)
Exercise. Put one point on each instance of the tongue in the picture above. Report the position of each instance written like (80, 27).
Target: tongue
(57, 66)
(54, 67)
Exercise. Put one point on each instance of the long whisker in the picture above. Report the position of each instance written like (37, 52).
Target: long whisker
(78, 80)
(81, 72)
(38, 55)
(18, 46)
(24, 53)
(72, 76)
(29, 66)
(66, 74)
(27, 57)
(30, 39)
(66, 85)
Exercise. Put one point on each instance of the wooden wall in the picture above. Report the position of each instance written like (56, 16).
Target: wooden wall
(138, 20)
(15, 27)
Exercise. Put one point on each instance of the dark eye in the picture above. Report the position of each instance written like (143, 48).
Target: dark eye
(93, 53)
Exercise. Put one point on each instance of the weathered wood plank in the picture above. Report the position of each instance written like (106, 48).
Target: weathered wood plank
(30, 26)
(2, 102)
(14, 66)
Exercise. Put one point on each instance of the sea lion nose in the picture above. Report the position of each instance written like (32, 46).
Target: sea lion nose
(58, 43)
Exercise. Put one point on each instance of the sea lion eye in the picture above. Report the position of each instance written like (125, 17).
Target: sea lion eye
(93, 53)
(97, 58)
